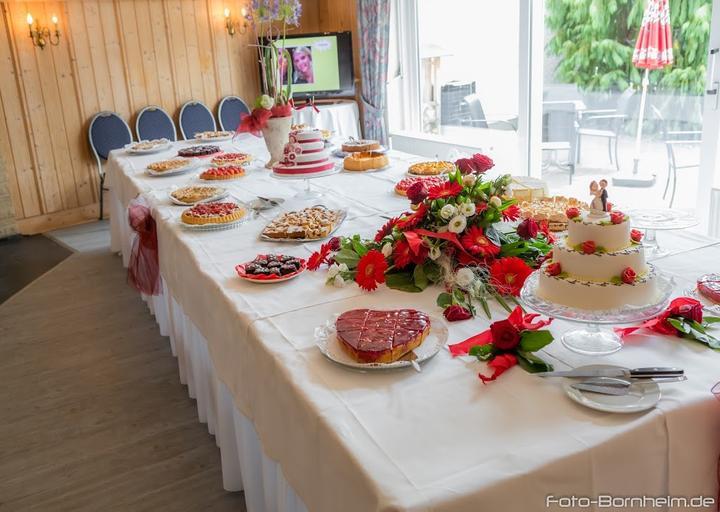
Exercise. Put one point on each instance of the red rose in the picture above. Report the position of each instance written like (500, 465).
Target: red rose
(686, 308)
(456, 312)
(465, 165)
(553, 269)
(417, 192)
(482, 162)
(504, 335)
(636, 235)
(588, 247)
(571, 213)
(527, 229)
(617, 217)
(334, 243)
(628, 275)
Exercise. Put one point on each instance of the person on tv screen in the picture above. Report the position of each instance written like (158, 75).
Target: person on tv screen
(302, 65)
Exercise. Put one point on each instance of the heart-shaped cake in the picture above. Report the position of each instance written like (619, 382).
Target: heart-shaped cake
(371, 336)
(709, 286)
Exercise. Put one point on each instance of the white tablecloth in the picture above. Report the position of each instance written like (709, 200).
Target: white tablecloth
(341, 117)
(296, 430)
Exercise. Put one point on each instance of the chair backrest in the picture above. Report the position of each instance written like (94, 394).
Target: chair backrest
(154, 123)
(195, 117)
(228, 112)
(108, 131)
(474, 108)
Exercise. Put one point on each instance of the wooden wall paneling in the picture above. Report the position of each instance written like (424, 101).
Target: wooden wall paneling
(162, 56)
(205, 65)
(118, 79)
(178, 61)
(39, 122)
(189, 25)
(15, 129)
(218, 36)
(77, 29)
(148, 57)
(132, 55)
(102, 97)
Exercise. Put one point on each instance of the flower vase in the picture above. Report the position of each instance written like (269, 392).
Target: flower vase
(276, 133)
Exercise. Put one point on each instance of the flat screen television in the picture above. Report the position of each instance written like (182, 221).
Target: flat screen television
(322, 65)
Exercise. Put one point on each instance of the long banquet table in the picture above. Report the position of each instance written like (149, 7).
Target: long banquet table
(298, 432)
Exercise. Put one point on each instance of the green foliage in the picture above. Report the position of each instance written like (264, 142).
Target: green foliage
(595, 40)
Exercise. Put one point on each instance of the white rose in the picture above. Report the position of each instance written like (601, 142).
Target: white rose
(457, 224)
(495, 201)
(387, 250)
(343, 267)
(447, 211)
(266, 101)
(338, 282)
(469, 180)
(434, 253)
(467, 209)
(333, 270)
(464, 277)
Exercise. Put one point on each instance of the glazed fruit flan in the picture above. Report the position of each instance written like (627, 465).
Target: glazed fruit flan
(365, 161)
(372, 336)
(213, 213)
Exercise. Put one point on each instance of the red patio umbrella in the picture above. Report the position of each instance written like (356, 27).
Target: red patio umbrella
(653, 50)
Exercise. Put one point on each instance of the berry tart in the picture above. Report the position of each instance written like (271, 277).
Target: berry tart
(365, 145)
(236, 159)
(268, 268)
(213, 213)
(227, 172)
(429, 181)
(370, 336)
(433, 168)
(365, 161)
(202, 150)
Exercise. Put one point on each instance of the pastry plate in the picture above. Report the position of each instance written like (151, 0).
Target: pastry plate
(216, 197)
(240, 269)
(327, 342)
(192, 164)
(210, 140)
(155, 149)
(343, 215)
(641, 396)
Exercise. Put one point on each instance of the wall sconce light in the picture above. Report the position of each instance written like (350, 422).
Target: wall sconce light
(42, 35)
(232, 26)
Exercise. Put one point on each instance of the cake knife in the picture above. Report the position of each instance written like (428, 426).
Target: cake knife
(635, 373)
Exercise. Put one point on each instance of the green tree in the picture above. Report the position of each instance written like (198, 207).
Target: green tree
(594, 40)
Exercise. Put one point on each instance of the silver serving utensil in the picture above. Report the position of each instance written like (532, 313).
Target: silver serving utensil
(604, 386)
(272, 202)
(635, 373)
(411, 357)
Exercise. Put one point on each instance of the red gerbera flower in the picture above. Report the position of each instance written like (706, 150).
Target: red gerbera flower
(318, 258)
(371, 270)
(447, 189)
(508, 275)
(412, 220)
(475, 242)
(386, 229)
(403, 254)
(511, 213)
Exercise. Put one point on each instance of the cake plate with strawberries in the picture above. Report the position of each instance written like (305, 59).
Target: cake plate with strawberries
(591, 339)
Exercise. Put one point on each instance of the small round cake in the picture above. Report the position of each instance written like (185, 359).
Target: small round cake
(213, 213)
(598, 266)
(365, 161)
(304, 155)
(226, 172)
(353, 145)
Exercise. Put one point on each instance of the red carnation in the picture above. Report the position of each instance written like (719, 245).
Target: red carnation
(417, 192)
(553, 269)
(475, 242)
(628, 275)
(527, 229)
(386, 229)
(482, 162)
(572, 212)
(371, 270)
(617, 217)
(636, 235)
(447, 189)
(504, 335)
(511, 213)
(588, 247)
(456, 312)
(508, 275)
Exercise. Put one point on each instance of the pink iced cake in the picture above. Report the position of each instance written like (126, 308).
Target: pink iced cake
(304, 155)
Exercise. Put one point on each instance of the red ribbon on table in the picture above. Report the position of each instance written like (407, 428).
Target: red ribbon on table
(685, 307)
(309, 103)
(144, 268)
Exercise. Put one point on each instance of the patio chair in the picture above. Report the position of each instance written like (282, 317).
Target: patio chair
(672, 139)
(560, 124)
(195, 117)
(607, 124)
(474, 116)
(107, 131)
(229, 111)
(154, 123)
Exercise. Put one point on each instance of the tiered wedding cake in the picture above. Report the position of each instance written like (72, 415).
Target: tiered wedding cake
(304, 155)
(600, 265)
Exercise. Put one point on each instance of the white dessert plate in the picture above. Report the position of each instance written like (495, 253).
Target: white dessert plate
(211, 199)
(240, 269)
(265, 238)
(641, 395)
(327, 342)
(192, 163)
(208, 140)
(160, 145)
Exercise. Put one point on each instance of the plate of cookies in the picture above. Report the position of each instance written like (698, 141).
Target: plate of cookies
(271, 268)
(213, 136)
(172, 166)
(194, 194)
(307, 225)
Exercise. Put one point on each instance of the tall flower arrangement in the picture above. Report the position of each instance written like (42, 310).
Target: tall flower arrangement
(457, 234)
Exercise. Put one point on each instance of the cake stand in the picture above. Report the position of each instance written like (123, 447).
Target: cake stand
(307, 193)
(660, 219)
(591, 339)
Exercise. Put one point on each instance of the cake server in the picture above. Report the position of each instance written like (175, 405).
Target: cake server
(635, 373)
(604, 385)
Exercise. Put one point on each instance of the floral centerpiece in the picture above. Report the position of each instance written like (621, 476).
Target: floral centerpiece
(456, 235)
(272, 110)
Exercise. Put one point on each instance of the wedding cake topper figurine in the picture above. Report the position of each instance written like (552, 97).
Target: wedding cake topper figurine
(598, 204)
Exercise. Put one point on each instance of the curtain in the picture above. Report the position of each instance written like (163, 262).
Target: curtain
(374, 26)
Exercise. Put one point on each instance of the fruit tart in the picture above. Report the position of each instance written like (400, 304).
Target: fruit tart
(227, 172)
(196, 194)
(213, 213)
(235, 159)
(433, 168)
(168, 166)
(202, 150)
(429, 181)
(365, 161)
(271, 267)
(370, 336)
